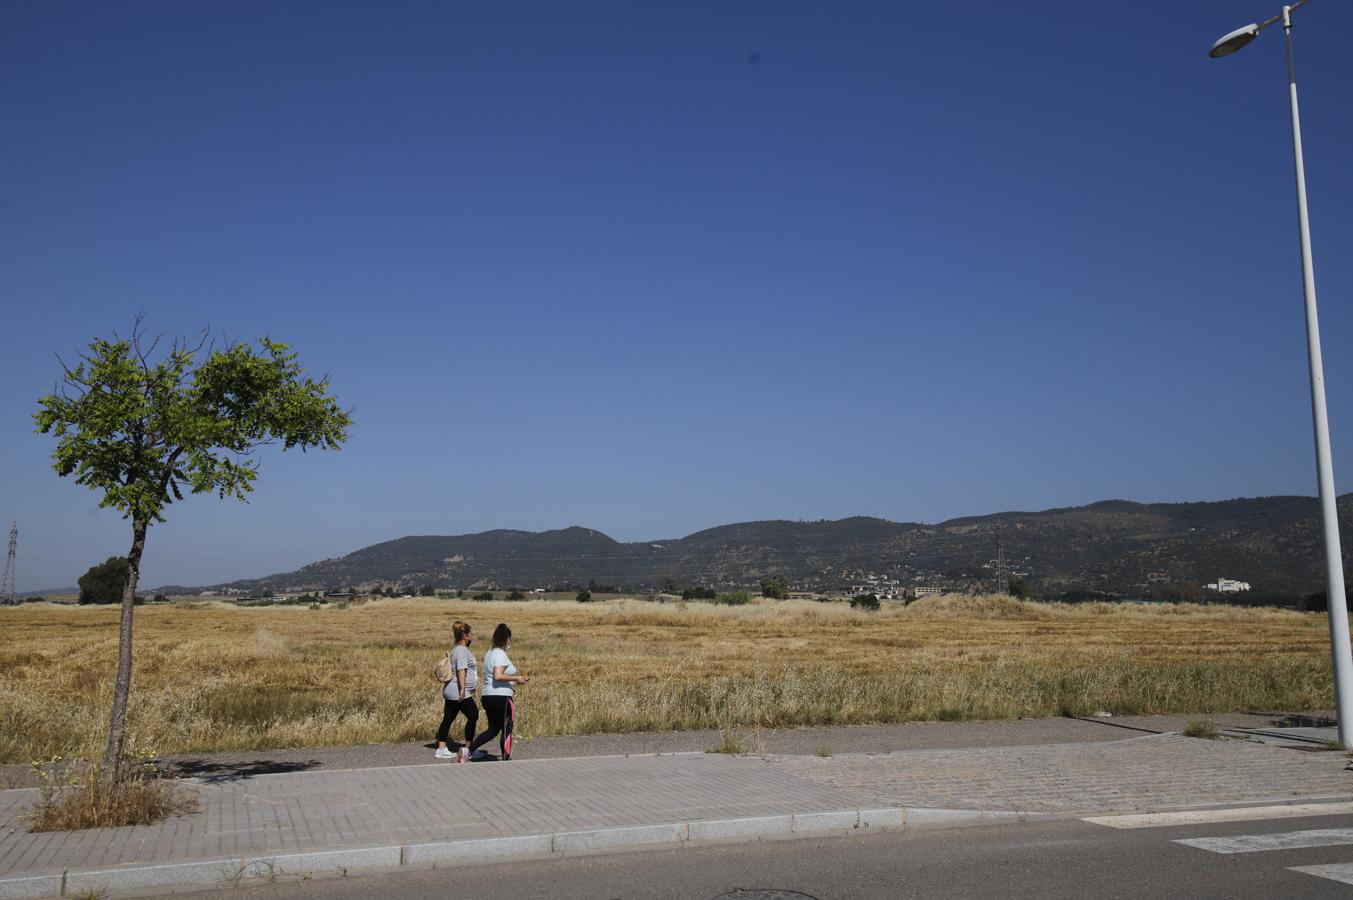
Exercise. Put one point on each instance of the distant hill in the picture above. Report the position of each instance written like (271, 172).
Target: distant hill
(1115, 546)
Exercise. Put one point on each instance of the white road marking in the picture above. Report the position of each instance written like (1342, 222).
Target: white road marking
(1285, 840)
(1207, 816)
(1336, 872)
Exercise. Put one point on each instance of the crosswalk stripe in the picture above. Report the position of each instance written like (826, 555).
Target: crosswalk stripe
(1286, 840)
(1206, 816)
(1336, 872)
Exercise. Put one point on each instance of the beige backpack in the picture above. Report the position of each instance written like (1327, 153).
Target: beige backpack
(444, 670)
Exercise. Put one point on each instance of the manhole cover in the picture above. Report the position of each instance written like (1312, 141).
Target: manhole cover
(765, 894)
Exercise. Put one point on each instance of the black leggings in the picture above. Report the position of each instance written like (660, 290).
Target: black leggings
(449, 711)
(501, 714)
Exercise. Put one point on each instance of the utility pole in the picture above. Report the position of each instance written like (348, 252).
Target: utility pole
(7, 586)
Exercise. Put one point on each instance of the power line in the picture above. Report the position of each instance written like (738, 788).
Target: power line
(7, 586)
(1002, 580)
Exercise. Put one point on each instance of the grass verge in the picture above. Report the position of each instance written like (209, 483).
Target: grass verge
(213, 677)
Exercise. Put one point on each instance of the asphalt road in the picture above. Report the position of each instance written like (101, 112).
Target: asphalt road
(1043, 860)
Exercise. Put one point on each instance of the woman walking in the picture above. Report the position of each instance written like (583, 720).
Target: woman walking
(498, 694)
(458, 693)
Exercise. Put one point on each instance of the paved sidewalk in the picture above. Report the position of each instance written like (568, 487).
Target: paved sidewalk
(341, 821)
(1148, 773)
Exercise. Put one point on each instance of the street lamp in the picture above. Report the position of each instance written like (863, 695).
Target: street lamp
(1329, 519)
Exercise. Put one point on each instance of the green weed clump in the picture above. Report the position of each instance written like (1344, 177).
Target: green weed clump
(729, 743)
(1202, 728)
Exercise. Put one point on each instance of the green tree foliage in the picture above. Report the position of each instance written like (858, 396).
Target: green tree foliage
(670, 585)
(483, 595)
(142, 425)
(734, 598)
(516, 594)
(775, 586)
(866, 602)
(699, 593)
(104, 582)
(584, 596)
(1019, 589)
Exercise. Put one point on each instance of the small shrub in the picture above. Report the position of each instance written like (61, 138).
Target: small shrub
(315, 606)
(699, 593)
(733, 598)
(72, 794)
(516, 594)
(1202, 728)
(823, 750)
(866, 602)
(483, 595)
(776, 587)
(584, 596)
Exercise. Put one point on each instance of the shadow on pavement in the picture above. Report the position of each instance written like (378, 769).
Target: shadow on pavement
(1297, 721)
(216, 772)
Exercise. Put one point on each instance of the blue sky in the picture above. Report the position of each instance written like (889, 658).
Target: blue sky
(652, 268)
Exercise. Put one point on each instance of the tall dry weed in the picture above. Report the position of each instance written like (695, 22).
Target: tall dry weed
(218, 677)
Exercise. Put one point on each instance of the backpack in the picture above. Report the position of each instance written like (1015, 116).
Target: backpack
(445, 670)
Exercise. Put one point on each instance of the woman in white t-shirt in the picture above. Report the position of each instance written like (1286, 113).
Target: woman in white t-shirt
(458, 693)
(500, 677)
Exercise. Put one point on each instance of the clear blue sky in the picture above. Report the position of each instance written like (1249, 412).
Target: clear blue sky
(656, 267)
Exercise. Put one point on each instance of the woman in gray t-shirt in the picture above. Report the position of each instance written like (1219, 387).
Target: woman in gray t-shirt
(458, 693)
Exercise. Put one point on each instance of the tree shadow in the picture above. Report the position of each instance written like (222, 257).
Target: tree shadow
(213, 772)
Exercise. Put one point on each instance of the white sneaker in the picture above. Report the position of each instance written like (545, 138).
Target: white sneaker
(464, 755)
(443, 753)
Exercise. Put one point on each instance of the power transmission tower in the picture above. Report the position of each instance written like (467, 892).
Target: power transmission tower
(7, 586)
(1002, 577)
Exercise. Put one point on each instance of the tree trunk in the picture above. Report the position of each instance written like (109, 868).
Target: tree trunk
(112, 755)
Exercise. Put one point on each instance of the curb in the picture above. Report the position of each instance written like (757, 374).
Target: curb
(243, 871)
(239, 871)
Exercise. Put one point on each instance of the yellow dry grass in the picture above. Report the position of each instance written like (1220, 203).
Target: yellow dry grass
(215, 677)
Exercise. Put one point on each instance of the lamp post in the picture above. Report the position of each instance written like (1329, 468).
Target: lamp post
(1329, 519)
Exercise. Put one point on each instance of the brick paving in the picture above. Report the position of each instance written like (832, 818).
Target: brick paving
(330, 809)
(1143, 773)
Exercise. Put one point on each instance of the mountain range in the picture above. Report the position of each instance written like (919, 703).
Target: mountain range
(1114, 546)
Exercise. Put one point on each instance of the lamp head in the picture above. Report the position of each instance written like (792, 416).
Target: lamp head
(1232, 42)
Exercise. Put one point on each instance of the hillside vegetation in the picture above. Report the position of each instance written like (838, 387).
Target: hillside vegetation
(1115, 546)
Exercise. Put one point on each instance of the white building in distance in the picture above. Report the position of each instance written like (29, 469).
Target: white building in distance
(1227, 586)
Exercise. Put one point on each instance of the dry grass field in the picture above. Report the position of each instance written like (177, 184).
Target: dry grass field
(215, 677)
